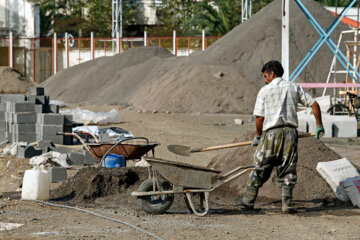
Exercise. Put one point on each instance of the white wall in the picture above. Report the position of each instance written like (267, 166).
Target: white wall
(21, 17)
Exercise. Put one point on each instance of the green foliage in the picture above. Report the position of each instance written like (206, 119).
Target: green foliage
(333, 3)
(85, 15)
(172, 15)
(216, 18)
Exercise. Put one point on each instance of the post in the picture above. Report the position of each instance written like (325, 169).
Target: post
(55, 54)
(92, 45)
(174, 42)
(203, 40)
(285, 39)
(33, 60)
(66, 50)
(11, 53)
(117, 43)
(145, 39)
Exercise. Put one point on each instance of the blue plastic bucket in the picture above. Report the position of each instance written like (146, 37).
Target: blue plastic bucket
(114, 161)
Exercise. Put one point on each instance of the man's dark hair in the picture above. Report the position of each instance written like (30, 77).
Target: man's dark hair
(273, 66)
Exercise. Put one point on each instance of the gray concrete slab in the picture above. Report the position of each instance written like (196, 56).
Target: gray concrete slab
(36, 91)
(57, 174)
(21, 118)
(21, 107)
(50, 119)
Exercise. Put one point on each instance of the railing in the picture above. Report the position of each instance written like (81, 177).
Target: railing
(39, 58)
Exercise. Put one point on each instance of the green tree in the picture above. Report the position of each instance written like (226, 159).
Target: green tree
(87, 15)
(172, 15)
(333, 3)
(216, 18)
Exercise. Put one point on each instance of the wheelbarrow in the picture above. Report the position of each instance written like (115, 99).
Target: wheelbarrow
(156, 195)
(130, 148)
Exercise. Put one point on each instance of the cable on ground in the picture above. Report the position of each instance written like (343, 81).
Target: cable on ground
(96, 214)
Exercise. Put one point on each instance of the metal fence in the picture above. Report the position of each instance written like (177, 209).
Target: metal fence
(39, 58)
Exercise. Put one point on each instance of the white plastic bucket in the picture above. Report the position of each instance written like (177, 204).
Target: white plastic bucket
(36, 184)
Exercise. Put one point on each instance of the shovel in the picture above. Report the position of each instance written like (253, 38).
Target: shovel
(187, 151)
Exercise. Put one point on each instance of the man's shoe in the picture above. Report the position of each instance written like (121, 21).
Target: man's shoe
(286, 199)
(244, 206)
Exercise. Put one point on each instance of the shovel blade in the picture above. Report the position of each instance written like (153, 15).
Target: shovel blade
(180, 150)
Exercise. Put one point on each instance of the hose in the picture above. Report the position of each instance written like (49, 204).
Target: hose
(96, 214)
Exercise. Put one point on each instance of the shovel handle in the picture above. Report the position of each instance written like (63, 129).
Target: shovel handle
(231, 145)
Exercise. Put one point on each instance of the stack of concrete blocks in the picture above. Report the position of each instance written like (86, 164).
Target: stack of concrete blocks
(334, 125)
(30, 118)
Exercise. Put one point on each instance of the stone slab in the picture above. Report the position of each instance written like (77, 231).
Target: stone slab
(50, 119)
(22, 118)
(77, 158)
(57, 174)
(28, 151)
(36, 91)
(20, 107)
(43, 100)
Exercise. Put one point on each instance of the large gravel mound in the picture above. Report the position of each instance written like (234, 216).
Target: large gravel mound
(223, 79)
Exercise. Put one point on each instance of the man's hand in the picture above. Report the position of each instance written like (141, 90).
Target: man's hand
(320, 131)
(256, 141)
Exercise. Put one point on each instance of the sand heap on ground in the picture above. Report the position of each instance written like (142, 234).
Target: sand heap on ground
(223, 79)
(109, 80)
(91, 183)
(310, 185)
(12, 82)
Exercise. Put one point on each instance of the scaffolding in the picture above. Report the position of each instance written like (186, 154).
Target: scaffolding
(246, 9)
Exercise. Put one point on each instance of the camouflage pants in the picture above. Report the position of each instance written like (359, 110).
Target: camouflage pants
(277, 148)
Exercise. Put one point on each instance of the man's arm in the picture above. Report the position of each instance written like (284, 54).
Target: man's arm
(317, 113)
(320, 131)
(259, 125)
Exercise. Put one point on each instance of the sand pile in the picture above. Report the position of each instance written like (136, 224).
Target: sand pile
(223, 79)
(239, 56)
(91, 183)
(109, 80)
(12, 82)
(310, 185)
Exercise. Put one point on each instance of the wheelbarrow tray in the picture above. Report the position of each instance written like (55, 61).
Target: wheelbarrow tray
(128, 150)
(185, 175)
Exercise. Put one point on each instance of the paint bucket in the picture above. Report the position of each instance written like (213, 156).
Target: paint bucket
(114, 161)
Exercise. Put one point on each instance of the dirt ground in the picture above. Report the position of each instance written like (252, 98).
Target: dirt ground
(322, 221)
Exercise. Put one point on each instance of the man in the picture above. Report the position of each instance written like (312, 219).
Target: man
(276, 135)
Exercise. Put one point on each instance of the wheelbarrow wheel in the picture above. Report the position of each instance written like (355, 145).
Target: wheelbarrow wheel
(156, 204)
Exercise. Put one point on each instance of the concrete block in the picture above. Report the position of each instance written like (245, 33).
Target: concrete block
(43, 129)
(20, 107)
(2, 116)
(57, 174)
(56, 139)
(52, 108)
(21, 118)
(36, 91)
(2, 107)
(77, 158)
(51, 119)
(15, 98)
(28, 151)
(9, 117)
(302, 122)
(29, 138)
(89, 160)
(43, 100)
(39, 108)
(324, 102)
(3, 125)
(24, 128)
(344, 126)
(62, 150)
(3, 136)
(46, 143)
